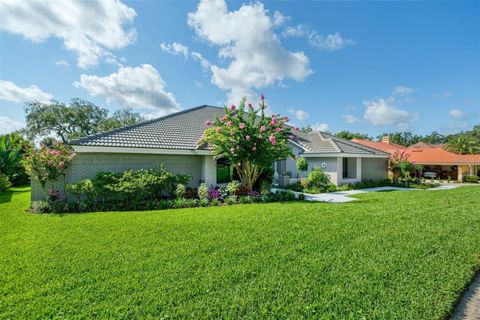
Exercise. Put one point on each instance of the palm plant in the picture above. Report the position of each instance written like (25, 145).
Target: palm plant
(463, 144)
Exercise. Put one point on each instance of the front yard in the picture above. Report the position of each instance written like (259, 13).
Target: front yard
(392, 255)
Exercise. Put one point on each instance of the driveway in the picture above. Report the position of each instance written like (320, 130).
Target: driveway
(344, 196)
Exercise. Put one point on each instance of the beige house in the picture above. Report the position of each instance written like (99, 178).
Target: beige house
(172, 141)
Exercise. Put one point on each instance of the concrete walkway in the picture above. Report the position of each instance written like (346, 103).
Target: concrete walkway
(469, 306)
(344, 196)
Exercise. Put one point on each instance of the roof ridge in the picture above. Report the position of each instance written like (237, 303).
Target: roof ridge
(135, 125)
(355, 144)
(334, 144)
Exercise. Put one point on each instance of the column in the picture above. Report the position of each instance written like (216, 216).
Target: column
(359, 169)
(338, 179)
(209, 171)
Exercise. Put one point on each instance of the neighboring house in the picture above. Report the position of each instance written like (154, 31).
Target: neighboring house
(434, 158)
(172, 141)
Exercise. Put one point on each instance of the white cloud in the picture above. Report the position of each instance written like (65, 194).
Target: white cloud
(175, 48)
(62, 63)
(90, 28)
(8, 125)
(401, 90)
(299, 114)
(296, 31)
(246, 39)
(350, 118)
(139, 87)
(320, 127)
(9, 91)
(279, 19)
(457, 114)
(330, 42)
(382, 112)
(198, 57)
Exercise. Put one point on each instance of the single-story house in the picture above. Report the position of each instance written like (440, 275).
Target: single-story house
(172, 141)
(434, 158)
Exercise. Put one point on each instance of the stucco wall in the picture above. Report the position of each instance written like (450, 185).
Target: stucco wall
(86, 165)
(374, 169)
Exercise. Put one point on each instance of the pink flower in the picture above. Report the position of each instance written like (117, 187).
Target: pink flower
(296, 129)
(286, 119)
(229, 123)
(250, 106)
(233, 108)
(254, 149)
(247, 138)
(208, 123)
(262, 128)
(272, 139)
(262, 97)
(241, 125)
(278, 129)
(291, 137)
(274, 121)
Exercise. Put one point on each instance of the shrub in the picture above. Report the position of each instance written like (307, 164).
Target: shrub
(40, 206)
(229, 201)
(48, 163)
(224, 192)
(471, 179)
(214, 194)
(233, 187)
(191, 203)
(265, 187)
(244, 200)
(4, 182)
(203, 191)
(297, 186)
(13, 148)
(214, 202)
(302, 164)
(191, 193)
(180, 190)
(317, 181)
(129, 188)
(179, 203)
(301, 197)
(203, 202)
(242, 192)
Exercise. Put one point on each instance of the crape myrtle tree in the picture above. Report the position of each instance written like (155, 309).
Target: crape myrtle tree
(249, 138)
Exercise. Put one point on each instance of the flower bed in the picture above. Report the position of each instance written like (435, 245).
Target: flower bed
(147, 190)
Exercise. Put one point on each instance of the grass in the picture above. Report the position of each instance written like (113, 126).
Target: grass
(392, 255)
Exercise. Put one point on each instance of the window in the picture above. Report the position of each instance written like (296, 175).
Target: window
(345, 168)
(224, 171)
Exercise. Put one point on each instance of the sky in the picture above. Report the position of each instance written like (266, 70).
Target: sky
(368, 67)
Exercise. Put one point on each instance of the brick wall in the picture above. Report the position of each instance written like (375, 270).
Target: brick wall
(86, 165)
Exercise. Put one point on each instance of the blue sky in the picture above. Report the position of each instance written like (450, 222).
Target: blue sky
(359, 66)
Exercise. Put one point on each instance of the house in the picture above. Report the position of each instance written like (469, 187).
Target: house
(434, 158)
(172, 141)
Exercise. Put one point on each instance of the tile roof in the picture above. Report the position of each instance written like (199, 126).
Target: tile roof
(183, 129)
(424, 154)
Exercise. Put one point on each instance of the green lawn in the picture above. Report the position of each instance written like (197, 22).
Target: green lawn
(391, 255)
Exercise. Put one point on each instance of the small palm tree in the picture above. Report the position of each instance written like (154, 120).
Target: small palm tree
(463, 144)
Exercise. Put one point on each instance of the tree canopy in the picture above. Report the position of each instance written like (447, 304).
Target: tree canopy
(249, 139)
(344, 134)
(77, 119)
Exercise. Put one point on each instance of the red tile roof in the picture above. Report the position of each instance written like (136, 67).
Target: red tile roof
(424, 155)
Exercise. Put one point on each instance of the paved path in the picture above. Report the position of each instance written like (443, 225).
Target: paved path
(469, 306)
(344, 196)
